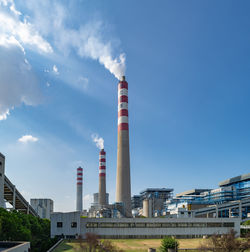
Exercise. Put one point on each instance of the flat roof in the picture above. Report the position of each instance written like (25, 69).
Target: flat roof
(192, 192)
(157, 190)
(235, 179)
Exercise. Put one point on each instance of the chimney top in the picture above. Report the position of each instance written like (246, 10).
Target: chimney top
(123, 78)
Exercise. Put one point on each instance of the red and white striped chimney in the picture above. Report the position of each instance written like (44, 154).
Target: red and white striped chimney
(79, 189)
(102, 178)
(123, 187)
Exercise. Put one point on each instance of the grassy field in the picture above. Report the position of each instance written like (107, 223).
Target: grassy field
(132, 245)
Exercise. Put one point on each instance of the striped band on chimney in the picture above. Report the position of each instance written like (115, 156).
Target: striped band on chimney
(102, 163)
(123, 105)
(79, 176)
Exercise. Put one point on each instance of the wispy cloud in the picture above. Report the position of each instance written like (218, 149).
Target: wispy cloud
(88, 40)
(18, 82)
(99, 141)
(55, 69)
(15, 67)
(27, 138)
(22, 31)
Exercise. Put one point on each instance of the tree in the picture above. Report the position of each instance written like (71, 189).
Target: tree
(226, 243)
(169, 243)
(16, 226)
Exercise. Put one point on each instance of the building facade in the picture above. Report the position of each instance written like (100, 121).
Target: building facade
(43, 207)
(72, 224)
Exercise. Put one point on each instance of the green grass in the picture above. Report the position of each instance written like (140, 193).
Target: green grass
(133, 245)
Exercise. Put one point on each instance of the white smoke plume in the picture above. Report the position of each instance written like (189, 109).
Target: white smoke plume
(88, 40)
(99, 141)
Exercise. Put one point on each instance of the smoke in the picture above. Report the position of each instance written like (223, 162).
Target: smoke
(99, 141)
(89, 40)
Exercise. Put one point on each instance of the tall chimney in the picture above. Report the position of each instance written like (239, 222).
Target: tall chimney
(102, 178)
(2, 175)
(79, 189)
(123, 187)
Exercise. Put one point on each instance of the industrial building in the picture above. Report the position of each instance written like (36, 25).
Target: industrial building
(2, 175)
(10, 194)
(151, 201)
(43, 207)
(232, 190)
(71, 225)
(96, 199)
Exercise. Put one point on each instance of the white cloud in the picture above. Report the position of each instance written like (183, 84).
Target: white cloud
(55, 69)
(18, 83)
(22, 31)
(27, 138)
(88, 40)
(87, 200)
(99, 141)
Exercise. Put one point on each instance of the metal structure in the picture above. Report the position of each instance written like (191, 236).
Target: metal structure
(10, 194)
(102, 179)
(238, 208)
(2, 168)
(79, 189)
(15, 198)
(123, 186)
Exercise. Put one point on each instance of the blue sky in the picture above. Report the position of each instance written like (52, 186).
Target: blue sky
(188, 68)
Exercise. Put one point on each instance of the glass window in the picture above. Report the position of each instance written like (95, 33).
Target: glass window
(228, 224)
(214, 224)
(73, 224)
(59, 224)
(140, 225)
(106, 225)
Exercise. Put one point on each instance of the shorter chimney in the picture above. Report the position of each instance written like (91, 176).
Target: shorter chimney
(79, 189)
(102, 179)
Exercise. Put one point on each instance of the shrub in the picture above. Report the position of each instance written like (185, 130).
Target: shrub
(167, 243)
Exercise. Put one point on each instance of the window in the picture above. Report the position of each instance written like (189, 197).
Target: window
(228, 224)
(73, 224)
(215, 224)
(154, 225)
(140, 225)
(106, 225)
(92, 225)
(59, 224)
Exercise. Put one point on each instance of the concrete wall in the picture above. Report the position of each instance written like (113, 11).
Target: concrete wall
(2, 171)
(158, 227)
(18, 246)
(141, 227)
(66, 219)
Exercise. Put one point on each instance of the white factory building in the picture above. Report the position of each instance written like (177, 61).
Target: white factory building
(72, 225)
(43, 207)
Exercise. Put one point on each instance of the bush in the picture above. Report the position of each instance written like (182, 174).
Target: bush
(167, 243)
(16, 226)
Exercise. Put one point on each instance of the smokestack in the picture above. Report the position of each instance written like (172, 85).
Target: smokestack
(102, 179)
(123, 187)
(79, 189)
(2, 164)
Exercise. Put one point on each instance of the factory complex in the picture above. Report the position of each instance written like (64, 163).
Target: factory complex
(154, 213)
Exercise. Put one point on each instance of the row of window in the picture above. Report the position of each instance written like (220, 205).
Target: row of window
(158, 225)
(60, 224)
